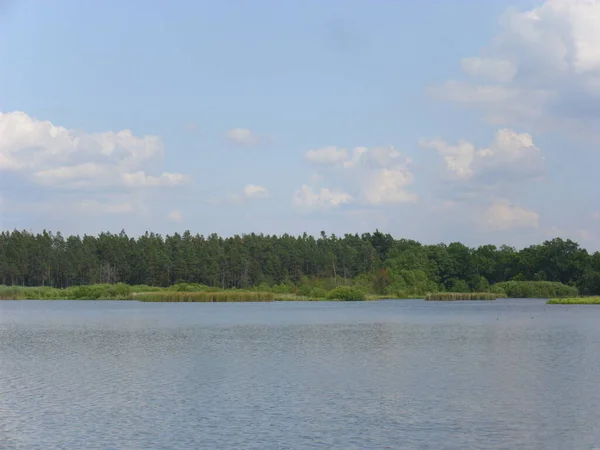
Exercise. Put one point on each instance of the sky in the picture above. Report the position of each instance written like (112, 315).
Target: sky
(436, 121)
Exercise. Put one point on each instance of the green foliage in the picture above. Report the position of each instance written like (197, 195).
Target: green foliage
(536, 289)
(497, 289)
(457, 285)
(205, 297)
(574, 301)
(285, 265)
(456, 296)
(345, 293)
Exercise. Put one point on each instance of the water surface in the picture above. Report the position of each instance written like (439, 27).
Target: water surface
(293, 375)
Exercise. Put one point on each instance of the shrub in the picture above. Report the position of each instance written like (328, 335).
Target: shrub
(536, 289)
(345, 293)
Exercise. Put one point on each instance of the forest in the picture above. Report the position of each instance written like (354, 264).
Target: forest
(376, 262)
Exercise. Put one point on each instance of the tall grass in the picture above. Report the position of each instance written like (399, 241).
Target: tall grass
(574, 301)
(536, 289)
(11, 293)
(296, 297)
(457, 296)
(118, 291)
(205, 297)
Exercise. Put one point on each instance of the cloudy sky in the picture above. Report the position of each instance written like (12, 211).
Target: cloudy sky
(433, 120)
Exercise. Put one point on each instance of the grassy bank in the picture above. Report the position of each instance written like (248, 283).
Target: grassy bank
(311, 290)
(457, 296)
(574, 301)
(535, 289)
(204, 297)
(92, 292)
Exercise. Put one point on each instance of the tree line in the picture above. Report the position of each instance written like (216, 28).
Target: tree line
(248, 261)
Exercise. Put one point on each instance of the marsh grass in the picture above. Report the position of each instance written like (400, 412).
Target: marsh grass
(574, 301)
(297, 298)
(118, 291)
(204, 297)
(457, 296)
(536, 289)
(11, 293)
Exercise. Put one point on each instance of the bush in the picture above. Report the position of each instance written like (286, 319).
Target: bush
(345, 293)
(536, 289)
(318, 292)
(497, 289)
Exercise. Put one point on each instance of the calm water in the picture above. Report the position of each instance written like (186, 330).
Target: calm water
(510, 374)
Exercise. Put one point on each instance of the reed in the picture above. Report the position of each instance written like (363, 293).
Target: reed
(574, 301)
(457, 296)
(204, 297)
(11, 293)
(296, 298)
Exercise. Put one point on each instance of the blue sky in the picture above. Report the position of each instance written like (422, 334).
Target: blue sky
(437, 121)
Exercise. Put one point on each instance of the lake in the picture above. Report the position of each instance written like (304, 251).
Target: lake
(404, 374)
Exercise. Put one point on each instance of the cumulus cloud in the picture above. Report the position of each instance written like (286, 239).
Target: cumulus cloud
(250, 192)
(175, 216)
(76, 171)
(56, 156)
(140, 179)
(504, 215)
(327, 155)
(243, 136)
(254, 191)
(542, 69)
(511, 156)
(389, 186)
(324, 198)
(379, 175)
(489, 68)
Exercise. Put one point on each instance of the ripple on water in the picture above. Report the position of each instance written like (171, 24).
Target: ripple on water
(374, 375)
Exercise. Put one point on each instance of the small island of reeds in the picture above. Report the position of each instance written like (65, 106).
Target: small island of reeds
(574, 301)
(204, 297)
(458, 296)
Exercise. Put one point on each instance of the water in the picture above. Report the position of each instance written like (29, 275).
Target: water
(392, 374)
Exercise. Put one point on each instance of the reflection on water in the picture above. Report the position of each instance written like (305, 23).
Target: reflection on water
(390, 374)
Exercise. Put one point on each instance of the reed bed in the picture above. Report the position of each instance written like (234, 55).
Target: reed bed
(204, 297)
(574, 301)
(10, 293)
(457, 296)
(296, 298)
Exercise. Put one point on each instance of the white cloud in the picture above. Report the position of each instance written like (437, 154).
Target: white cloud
(175, 216)
(243, 136)
(250, 192)
(458, 158)
(56, 156)
(491, 68)
(254, 191)
(306, 197)
(503, 215)
(380, 175)
(543, 69)
(140, 179)
(511, 156)
(77, 172)
(388, 186)
(327, 155)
